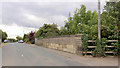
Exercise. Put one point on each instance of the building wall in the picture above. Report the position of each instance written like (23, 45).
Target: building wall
(68, 43)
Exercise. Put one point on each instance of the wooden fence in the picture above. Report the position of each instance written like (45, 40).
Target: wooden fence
(109, 46)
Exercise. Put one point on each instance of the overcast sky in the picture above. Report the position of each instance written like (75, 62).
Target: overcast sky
(22, 16)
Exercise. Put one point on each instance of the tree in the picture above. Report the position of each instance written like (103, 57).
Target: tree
(86, 22)
(31, 37)
(47, 30)
(0, 34)
(25, 38)
(63, 31)
(72, 24)
(19, 38)
(11, 40)
(82, 22)
(111, 15)
(3, 35)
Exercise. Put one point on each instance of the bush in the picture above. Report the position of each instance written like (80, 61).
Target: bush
(84, 43)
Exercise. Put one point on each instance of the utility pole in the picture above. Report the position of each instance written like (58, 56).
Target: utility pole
(99, 22)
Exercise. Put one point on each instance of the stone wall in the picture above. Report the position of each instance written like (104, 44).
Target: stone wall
(68, 43)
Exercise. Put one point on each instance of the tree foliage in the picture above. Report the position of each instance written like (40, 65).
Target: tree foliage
(3, 35)
(47, 30)
(31, 37)
(11, 40)
(85, 22)
(111, 20)
(0, 34)
(25, 38)
(82, 22)
(19, 38)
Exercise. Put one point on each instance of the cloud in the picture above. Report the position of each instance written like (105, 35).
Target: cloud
(50, 0)
(38, 21)
(58, 19)
(15, 30)
(0, 13)
(27, 13)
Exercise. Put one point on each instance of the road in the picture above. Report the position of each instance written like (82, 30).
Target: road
(19, 54)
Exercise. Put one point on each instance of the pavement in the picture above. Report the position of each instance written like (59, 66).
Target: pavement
(20, 54)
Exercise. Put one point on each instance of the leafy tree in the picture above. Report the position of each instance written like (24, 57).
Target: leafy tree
(111, 15)
(63, 31)
(11, 40)
(19, 38)
(31, 37)
(0, 34)
(47, 30)
(85, 22)
(82, 22)
(3, 35)
(25, 38)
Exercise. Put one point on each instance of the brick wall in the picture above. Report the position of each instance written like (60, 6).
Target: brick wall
(67, 43)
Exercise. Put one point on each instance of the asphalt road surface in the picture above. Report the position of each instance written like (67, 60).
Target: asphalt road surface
(19, 54)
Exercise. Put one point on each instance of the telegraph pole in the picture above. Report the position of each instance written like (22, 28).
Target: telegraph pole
(99, 22)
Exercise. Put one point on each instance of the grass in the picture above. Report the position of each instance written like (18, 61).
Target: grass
(3, 44)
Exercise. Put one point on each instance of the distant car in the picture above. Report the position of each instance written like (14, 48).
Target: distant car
(20, 41)
(5, 41)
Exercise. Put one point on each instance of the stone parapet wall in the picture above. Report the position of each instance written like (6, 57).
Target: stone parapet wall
(68, 43)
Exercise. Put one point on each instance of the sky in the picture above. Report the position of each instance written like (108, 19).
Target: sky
(22, 16)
